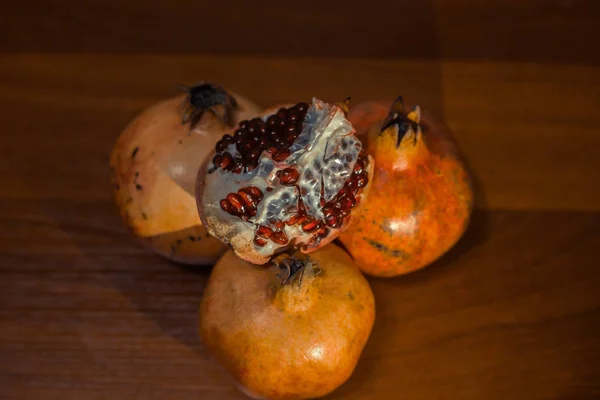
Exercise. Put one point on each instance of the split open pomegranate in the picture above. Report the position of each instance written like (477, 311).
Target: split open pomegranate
(422, 195)
(291, 177)
(154, 164)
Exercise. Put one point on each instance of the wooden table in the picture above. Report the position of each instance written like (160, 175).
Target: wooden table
(512, 312)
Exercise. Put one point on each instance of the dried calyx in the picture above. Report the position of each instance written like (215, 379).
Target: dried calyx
(405, 121)
(294, 266)
(206, 96)
(290, 178)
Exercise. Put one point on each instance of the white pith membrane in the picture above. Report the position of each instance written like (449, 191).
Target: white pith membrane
(324, 153)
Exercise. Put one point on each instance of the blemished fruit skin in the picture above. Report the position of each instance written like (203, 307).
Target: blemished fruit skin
(153, 166)
(295, 340)
(421, 197)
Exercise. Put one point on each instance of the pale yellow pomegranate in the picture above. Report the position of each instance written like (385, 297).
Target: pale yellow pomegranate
(154, 164)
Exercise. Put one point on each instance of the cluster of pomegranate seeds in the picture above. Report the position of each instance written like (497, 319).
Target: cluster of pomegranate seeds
(254, 136)
(335, 211)
(243, 203)
(242, 151)
(264, 233)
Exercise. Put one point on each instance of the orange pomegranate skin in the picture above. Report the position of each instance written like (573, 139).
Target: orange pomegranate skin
(420, 203)
(287, 340)
(152, 158)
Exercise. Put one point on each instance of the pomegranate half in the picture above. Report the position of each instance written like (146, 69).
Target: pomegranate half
(289, 178)
(422, 195)
(293, 329)
(154, 164)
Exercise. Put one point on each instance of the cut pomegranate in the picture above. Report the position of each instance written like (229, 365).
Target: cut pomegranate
(289, 178)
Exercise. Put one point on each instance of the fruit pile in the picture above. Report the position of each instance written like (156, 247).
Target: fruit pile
(209, 179)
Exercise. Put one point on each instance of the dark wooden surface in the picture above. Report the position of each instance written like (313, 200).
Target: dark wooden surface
(512, 312)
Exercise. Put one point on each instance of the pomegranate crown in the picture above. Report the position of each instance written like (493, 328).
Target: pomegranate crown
(206, 96)
(404, 121)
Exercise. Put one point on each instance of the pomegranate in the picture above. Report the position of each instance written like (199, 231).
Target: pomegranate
(154, 165)
(289, 178)
(422, 198)
(293, 329)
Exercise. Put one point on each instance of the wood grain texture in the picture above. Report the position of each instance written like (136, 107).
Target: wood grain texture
(509, 30)
(528, 131)
(512, 312)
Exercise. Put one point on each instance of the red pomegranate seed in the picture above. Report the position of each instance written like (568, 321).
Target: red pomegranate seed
(221, 145)
(362, 180)
(301, 207)
(288, 176)
(259, 241)
(294, 115)
(263, 142)
(279, 225)
(258, 195)
(292, 220)
(323, 232)
(345, 191)
(254, 153)
(332, 221)
(271, 120)
(322, 202)
(247, 198)
(348, 201)
(290, 138)
(264, 231)
(327, 210)
(252, 212)
(281, 155)
(359, 167)
(236, 203)
(217, 160)
(342, 213)
(251, 165)
(301, 107)
(239, 134)
(227, 139)
(226, 161)
(279, 237)
(238, 167)
(225, 205)
(311, 226)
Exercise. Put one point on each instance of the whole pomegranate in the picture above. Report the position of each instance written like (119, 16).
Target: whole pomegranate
(289, 178)
(422, 196)
(293, 329)
(154, 164)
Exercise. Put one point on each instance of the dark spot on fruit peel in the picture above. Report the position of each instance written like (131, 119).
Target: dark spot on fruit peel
(134, 152)
(351, 296)
(384, 249)
(144, 216)
(386, 227)
(138, 186)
